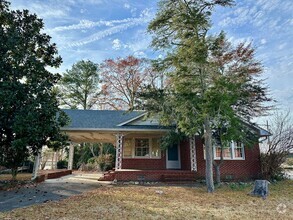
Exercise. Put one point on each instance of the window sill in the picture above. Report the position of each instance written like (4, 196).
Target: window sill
(148, 158)
(230, 159)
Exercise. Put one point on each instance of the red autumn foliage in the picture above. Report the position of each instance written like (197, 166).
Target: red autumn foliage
(122, 81)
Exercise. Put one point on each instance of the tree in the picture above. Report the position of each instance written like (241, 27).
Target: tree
(124, 79)
(79, 86)
(29, 113)
(278, 145)
(211, 85)
(236, 90)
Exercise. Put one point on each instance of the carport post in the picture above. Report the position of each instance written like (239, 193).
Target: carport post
(36, 165)
(70, 158)
(119, 145)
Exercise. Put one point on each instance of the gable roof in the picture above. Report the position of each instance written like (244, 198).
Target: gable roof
(106, 120)
(119, 120)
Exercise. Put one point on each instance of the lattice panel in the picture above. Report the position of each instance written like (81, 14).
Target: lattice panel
(193, 164)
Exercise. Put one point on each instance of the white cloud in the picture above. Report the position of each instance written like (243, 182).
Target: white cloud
(108, 32)
(140, 54)
(126, 5)
(263, 41)
(116, 44)
(144, 18)
(45, 9)
(85, 24)
(282, 46)
(82, 11)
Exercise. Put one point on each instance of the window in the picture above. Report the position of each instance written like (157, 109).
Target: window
(127, 148)
(235, 151)
(238, 150)
(227, 153)
(142, 147)
(156, 150)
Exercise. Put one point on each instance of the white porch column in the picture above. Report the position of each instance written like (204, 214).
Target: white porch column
(119, 146)
(70, 158)
(192, 146)
(36, 166)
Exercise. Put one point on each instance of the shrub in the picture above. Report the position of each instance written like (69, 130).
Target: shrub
(62, 164)
(271, 165)
(105, 162)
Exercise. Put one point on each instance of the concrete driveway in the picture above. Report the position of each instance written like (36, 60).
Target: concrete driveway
(50, 190)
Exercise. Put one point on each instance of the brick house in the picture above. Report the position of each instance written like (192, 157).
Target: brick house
(138, 152)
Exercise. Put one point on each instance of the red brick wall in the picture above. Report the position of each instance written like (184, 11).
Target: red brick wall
(235, 169)
(148, 175)
(145, 164)
(185, 155)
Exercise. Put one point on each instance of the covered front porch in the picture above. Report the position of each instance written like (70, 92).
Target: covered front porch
(139, 156)
(137, 141)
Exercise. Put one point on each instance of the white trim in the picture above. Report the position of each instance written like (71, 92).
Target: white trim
(119, 151)
(112, 129)
(132, 119)
(193, 161)
(70, 157)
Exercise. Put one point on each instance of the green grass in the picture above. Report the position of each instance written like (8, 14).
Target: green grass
(166, 202)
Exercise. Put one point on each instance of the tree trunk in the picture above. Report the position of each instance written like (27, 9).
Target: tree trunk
(218, 174)
(91, 147)
(209, 156)
(218, 165)
(14, 173)
(261, 188)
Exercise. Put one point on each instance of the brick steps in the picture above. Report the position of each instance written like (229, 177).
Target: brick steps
(108, 176)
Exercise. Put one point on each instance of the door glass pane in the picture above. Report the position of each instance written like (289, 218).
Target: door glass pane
(173, 152)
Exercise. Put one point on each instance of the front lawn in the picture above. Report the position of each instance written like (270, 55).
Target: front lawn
(6, 181)
(166, 202)
(19, 177)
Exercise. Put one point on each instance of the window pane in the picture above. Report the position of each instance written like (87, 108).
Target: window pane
(142, 147)
(238, 150)
(227, 153)
(127, 148)
(156, 150)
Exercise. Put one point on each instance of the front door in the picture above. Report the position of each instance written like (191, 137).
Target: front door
(173, 157)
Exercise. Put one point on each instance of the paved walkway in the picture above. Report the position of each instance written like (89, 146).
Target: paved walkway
(50, 190)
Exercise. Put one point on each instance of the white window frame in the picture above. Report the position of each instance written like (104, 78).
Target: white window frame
(232, 147)
(142, 157)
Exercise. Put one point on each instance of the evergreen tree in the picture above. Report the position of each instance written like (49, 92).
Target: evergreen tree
(29, 113)
(211, 85)
(79, 86)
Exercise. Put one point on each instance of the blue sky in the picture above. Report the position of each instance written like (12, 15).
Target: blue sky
(101, 29)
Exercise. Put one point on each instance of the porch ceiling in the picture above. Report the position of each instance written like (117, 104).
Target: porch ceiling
(108, 136)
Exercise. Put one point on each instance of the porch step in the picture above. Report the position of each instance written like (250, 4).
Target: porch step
(182, 177)
(108, 176)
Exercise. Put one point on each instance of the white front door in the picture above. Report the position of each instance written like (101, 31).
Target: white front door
(173, 157)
